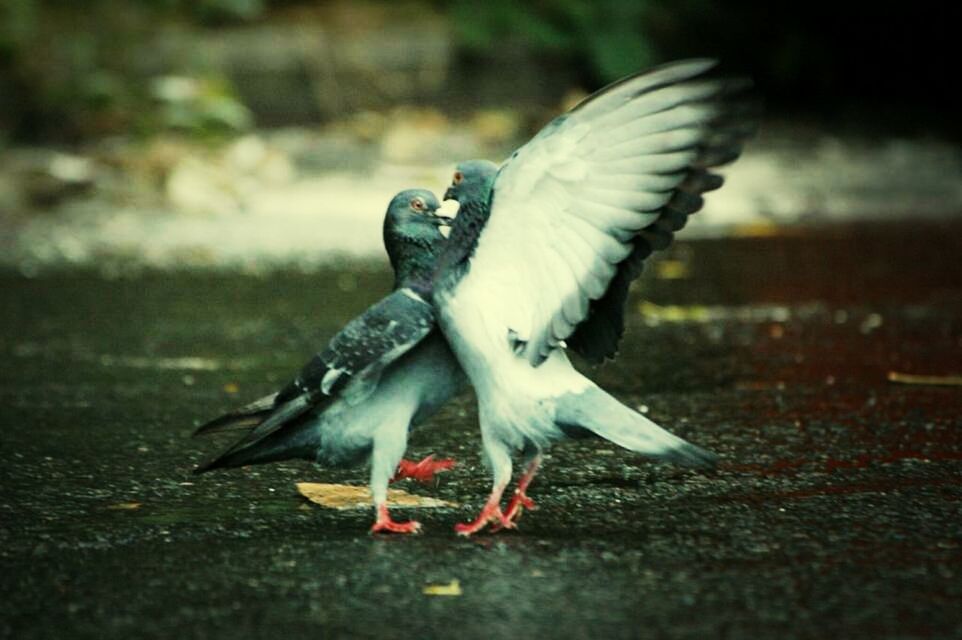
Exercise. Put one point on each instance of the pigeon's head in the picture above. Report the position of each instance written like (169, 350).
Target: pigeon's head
(472, 181)
(414, 213)
(413, 234)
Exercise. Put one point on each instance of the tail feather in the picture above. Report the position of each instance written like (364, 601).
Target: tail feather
(244, 418)
(297, 441)
(272, 434)
(231, 422)
(599, 412)
(687, 454)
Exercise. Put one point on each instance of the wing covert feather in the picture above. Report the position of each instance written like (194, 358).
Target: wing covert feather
(353, 361)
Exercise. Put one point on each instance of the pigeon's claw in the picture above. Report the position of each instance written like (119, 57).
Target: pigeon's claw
(422, 471)
(385, 524)
(490, 514)
(519, 502)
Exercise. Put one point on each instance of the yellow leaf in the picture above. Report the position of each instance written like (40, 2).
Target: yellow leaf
(675, 313)
(453, 588)
(910, 378)
(125, 506)
(343, 496)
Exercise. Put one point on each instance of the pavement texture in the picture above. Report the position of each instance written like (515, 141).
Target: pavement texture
(835, 511)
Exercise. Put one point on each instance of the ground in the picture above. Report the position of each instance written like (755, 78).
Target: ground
(835, 510)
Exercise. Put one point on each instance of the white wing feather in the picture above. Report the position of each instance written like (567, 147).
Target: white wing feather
(567, 205)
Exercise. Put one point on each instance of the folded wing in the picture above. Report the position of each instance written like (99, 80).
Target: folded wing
(348, 368)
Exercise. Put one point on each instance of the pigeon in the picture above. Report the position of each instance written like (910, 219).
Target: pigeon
(387, 370)
(543, 250)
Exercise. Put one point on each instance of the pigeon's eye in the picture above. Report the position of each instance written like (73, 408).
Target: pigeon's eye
(417, 204)
(458, 177)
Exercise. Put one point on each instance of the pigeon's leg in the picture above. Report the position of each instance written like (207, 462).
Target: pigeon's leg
(520, 500)
(500, 462)
(386, 524)
(490, 513)
(422, 471)
(387, 448)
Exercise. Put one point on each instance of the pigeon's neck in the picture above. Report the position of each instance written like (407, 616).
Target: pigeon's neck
(472, 216)
(413, 260)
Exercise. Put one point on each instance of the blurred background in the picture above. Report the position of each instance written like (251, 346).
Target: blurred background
(191, 198)
(256, 133)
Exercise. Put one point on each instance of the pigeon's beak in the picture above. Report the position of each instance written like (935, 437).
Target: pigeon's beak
(449, 194)
(441, 221)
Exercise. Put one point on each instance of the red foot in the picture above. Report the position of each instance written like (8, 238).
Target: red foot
(386, 524)
(422, 471)
(491, 513)
(519, 502)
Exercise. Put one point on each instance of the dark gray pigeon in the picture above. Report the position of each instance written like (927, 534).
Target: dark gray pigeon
(385, 372)
(543, 251)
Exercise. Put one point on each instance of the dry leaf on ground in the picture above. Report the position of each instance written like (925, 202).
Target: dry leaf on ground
(453, 588)
(343, 496)
(911, 378)
(124, 506)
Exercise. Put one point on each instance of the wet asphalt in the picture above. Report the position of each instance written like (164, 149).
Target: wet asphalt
(835, 511)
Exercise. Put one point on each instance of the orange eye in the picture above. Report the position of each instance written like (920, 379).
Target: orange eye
(417, 204)
(458, 177)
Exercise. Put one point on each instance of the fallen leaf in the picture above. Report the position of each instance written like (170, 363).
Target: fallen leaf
(654, 313)
(675, 313)
(125, 506)
(453, 588)
(343, 496)
(911, 378)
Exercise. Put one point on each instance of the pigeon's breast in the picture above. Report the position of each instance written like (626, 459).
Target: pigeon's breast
(479, 336)
(470, 331)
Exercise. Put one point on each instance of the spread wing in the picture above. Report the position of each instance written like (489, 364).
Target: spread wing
(349, 367)
(576, 210)
(598, 336)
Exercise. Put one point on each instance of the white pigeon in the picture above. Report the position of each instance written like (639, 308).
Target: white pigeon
(546, 247)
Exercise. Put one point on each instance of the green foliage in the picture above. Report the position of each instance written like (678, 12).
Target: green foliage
(67, 69)
(199, 106)
(609, 34)
(17, 22)
(217, 11)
